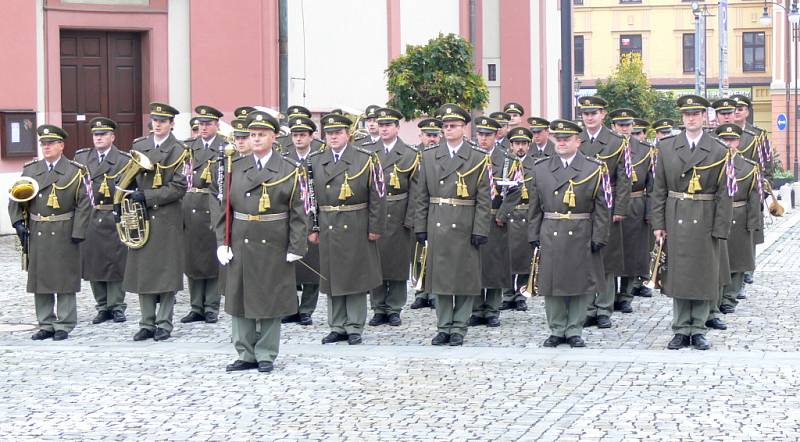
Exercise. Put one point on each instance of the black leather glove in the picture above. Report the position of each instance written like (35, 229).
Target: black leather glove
(77, 240)
(597, 247)
(422, 237)
(534, 244)
(478, 240)
(138, 196)
(22, 231)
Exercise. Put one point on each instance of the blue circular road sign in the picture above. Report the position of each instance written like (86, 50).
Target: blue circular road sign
(781, 121)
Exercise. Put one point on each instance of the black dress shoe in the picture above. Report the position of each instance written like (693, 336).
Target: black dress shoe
(575, 341)
(60, 335)
(475, 321)
(394, 319)
(554, 341)
(432, 304)
(419, 303)
(727, 309)
(644, 292)
(678, 342)
(143, 334)
(699, 342)
(603, 321)
(334, 337)
(741, 295)
(354, 339)
(42, 335)
(378, 319)
(119, 316)
(211, 317)
(291, 318)
(102, 316)
(520, 305)
(239, 365)
(192, 317)
(305, 319)
(716, 324)
(161, 334)
(265, 366)
(591, 321)
(748, 278)
(507, 305)
(493, 321)
(456, 340)
(441, 338)
(623, 306)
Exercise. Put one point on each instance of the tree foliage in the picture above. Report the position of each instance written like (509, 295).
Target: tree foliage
(629, 87)
(440, 72)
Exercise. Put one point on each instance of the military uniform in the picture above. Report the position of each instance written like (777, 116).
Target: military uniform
(611, 149)
(691, 202)
(155, 271)
(269, 222)
(56, 220)
(351, 204)
(569, 217)
(102, 253)
(200, 263)
(453, 213)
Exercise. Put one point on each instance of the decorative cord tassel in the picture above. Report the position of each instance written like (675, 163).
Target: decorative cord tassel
(634, 177)
(345, 192)
(104, 187)
(461, 188)
(52, 199)
(394, 181)
(524, 192)
(206, 175)
(569, 196)
(694, 183)
(263, 202)
(157, 178)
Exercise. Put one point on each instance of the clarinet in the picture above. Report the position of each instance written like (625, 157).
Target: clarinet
(506, 161)
(221, 173)
(312, 197)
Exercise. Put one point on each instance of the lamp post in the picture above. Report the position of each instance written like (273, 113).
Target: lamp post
(576, 84)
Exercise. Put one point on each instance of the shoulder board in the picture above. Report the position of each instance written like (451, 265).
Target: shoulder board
(431, 147)
(280, 137)
(360, 136)
(189, 140)
(414, 147)
(481, 150)
(78, 165)
(542, 159)
(291, 161)
(758, 129)
(315, 153)
(615, 134)
(139, 139)
(124, 153)
(470, 142)
(85, 149)
(748, 160)
(364, 151)
(318, 140)
(31, 162)
(646, 143)
(753, 133)
(720, 142)
(668, 137)
(595, 160)
(366, 143)
(236, 158)
(284, 153)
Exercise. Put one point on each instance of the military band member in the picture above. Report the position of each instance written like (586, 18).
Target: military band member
(515, 112)
(517, 216)
(287, 141)
(349, 190)
(396, 245)
(495, 256)
(302, 130)
(268, 227)
(453, 216)
(746, 217)
(569, 214)
(200, 263)
(371, 123)
(502, 118)
(53, 223)
(663, 128)
(241, 137)
(542, 145)
(635, 230)
(102, 253)
(639, 130)
(155, 271)
(692, 212)
(601, 143)
(195, 126)
(430, 134)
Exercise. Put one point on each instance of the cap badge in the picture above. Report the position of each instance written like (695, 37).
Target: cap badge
(688, 101)
(560, 125)
(259, 117)
(203, 111)
(46, 131)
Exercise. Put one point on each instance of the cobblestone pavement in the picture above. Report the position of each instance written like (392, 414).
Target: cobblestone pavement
(501, 385)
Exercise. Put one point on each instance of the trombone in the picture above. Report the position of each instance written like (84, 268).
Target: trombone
(418, 265)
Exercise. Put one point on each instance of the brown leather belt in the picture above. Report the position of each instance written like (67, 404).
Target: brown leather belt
(52, 218)
(691, 196)
(451, 201)
(638, 194)
(562, 216)
(343, 207)
(269, 217)
(398, 197)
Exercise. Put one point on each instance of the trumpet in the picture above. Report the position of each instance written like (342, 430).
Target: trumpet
(658, 266)
(418, 265)
(532, 288)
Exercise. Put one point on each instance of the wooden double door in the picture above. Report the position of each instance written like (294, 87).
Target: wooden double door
(101, 75)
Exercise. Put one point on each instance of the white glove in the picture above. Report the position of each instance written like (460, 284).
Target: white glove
(291, 257)
(224, 254)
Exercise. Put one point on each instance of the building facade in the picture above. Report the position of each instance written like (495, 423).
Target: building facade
(77, 59)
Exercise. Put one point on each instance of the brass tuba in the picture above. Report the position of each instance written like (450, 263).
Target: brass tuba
(133, 227)
(532, 288)
(418, 266)
(658, 266)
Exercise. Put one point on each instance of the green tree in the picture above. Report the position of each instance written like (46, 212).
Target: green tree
(429, 76)
(629, 87)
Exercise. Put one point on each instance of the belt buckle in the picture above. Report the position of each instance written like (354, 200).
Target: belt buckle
(335, 208)
(45, 218)
(253, 217)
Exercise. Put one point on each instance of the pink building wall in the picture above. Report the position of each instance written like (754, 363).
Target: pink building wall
(515, 52)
